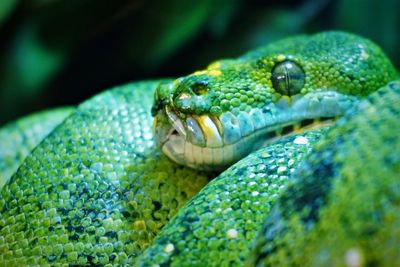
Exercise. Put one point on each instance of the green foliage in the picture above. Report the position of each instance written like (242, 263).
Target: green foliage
(6, 7)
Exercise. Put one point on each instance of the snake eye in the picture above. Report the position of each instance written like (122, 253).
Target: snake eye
(287, 78)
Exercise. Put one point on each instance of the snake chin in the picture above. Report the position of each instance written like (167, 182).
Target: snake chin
(206, 142)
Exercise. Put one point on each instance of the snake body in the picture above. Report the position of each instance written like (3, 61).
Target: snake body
(342, 206)
(97, 190)
(17, 139)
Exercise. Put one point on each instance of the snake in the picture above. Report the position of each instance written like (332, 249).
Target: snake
(285, 156)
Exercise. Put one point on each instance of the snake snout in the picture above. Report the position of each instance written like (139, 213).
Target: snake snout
(193, 95)
(162, 97)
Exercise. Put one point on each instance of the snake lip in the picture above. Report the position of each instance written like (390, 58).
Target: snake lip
(199, 130)
(204, 142)
(176, 122)
(199, 152)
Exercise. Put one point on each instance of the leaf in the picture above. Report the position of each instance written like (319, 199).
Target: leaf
(6, 7)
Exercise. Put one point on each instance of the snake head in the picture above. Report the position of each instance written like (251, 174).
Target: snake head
(189, 95)
(211, 118)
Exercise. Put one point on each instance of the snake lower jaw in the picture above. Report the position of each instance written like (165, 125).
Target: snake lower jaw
(214, 143)
(183, 152)
(179, 149)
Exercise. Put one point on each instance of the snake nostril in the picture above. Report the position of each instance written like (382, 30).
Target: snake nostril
(193, 95)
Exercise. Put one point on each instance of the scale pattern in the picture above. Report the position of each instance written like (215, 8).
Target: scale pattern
(95, 191)
(342, 208)
(17, 139)
(346, 63)
(217, 226)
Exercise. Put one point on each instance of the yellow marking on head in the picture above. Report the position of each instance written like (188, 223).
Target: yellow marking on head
(210, 72)
(154, 124)
(281, 58)
(214, 72)
(215, 65)
(214, 69)
(199, 72)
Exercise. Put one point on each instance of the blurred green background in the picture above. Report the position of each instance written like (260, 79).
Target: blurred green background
(60, 52)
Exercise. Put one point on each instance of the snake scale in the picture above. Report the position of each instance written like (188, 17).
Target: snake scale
(274, 177)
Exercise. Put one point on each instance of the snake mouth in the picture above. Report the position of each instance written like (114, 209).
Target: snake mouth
(208, 142)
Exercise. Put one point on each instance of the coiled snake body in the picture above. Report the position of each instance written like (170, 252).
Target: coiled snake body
(99, 188)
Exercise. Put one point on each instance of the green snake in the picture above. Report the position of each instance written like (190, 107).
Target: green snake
(106, 187)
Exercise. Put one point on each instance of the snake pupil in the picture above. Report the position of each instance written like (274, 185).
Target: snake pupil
(288, 78)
